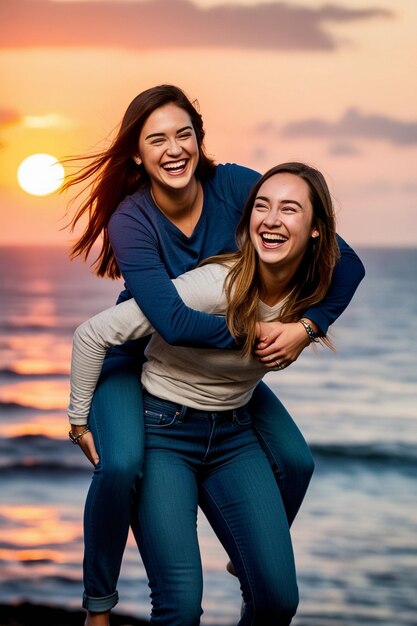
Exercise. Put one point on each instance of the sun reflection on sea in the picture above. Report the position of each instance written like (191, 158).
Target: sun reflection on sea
(42, 313)
(38, 526)
(32, 556)
(51, 425)
(40, 353)
(41, 394)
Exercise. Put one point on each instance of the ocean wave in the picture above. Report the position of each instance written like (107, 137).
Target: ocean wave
(11, 374)
(393, 453)
(9, 407)
(40, 452)
(15, 328)
(37, 467)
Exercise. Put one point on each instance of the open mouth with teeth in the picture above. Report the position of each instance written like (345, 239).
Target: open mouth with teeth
(272, 240)
(175, 167)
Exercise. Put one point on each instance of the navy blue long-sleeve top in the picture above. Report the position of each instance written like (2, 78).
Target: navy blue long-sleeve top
(150, 250)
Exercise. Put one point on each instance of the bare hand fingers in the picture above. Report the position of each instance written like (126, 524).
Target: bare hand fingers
(89, 449)
(274, 364)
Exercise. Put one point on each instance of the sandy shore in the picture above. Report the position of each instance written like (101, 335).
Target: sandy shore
(26, 614)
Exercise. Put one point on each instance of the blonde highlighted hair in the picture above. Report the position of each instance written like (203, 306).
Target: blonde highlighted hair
(313, 276)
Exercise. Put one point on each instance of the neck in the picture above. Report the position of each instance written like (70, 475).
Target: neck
(276, 284)
(181, 206)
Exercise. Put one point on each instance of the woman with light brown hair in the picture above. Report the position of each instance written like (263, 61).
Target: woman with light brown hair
(201, 447)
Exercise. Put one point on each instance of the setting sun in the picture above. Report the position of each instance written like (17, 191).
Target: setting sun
(40, 174)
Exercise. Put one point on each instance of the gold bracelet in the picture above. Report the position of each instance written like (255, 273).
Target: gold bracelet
(76, 438)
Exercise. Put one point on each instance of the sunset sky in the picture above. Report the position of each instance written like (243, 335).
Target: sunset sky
(333, 83)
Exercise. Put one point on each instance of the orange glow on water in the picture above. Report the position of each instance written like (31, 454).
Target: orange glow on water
(41, 353)
(43, 394)
(37, 526)
(52, 425)
(19, 513)
(34, 555)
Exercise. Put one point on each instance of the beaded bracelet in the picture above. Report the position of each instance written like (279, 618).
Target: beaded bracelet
(76, 438)
(312, 335)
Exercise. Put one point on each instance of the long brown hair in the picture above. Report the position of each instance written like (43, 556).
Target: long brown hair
(112, 175)
(313, 276)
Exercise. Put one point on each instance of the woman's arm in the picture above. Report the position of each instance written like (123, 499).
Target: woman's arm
(285, 342)
(202, 287)
(91, 339)
(139, 258)
(347, 275)
(149, 255)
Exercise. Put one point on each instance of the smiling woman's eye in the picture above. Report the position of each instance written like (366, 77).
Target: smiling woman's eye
(186, 135)
(157, 142)
(260, 206)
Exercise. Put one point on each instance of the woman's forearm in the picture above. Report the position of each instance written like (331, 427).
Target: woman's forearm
(91, 340)
(201, 289)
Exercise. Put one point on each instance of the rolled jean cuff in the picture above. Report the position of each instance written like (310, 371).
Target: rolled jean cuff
(100, 605)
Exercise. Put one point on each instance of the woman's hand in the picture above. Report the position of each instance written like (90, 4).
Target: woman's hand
(86, 443)
(280, 344)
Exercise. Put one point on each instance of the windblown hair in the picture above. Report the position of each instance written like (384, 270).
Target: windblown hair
(313, 276)
(112, 174)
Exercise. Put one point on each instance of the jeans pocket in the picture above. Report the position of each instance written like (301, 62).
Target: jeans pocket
(243, 417)
(159, 419)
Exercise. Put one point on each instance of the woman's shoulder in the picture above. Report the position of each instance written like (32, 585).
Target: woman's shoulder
(232, 182)
(231, 171)
(134, 217)
(138, 206)
(141, 199)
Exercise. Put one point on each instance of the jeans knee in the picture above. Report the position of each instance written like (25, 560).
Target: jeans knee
(121, 473)
(181, 612)
(273, 604)
(278, 610)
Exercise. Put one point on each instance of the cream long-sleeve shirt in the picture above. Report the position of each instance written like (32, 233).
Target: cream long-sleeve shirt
(207, 379)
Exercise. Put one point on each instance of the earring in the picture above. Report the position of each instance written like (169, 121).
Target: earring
(137, 160)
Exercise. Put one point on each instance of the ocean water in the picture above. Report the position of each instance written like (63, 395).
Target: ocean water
(355, 538)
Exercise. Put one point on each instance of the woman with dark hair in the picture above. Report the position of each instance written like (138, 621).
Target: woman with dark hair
(201, 448)
(161, 206)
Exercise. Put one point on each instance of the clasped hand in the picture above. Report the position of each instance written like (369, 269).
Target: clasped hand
(279, 344)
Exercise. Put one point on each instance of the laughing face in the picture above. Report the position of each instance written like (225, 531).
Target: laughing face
(281, 223)
(168, 148)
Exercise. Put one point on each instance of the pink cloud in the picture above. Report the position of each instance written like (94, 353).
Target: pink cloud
(356, 125)
(156, 24)
(9, 117)
(353, 124)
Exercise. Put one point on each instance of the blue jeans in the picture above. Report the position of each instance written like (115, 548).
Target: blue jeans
(117, 427)
(215, 460)
(116, 422)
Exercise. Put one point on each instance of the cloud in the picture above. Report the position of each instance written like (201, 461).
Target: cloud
(50, 120)
(8, 117)
(343, 148)
(156, 24)
(352, 125)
